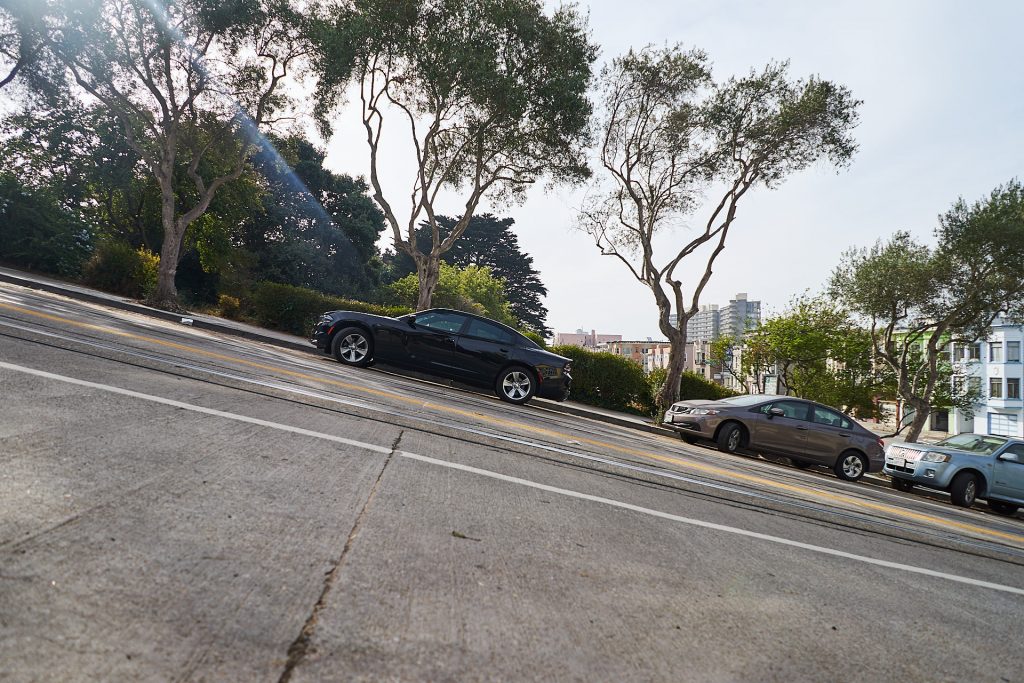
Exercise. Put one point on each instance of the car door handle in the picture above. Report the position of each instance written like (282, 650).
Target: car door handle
(802, 429)
(845, 436)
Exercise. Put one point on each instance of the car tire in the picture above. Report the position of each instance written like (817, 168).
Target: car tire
(850, 466)
(964, 489)
(730, 438)
(902, 485)
(515, 384)
(1002, 508)
(353, 346)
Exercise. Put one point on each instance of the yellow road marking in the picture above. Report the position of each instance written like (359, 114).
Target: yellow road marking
(701, 467)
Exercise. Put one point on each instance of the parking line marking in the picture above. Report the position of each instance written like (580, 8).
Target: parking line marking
(647, 455)
(515, 480)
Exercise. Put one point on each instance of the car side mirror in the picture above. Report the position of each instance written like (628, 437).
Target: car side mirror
(410, 320)
(776, 412)
(1010, 457)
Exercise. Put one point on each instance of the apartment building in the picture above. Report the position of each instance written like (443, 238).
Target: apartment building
(994, 366)
(739, 316)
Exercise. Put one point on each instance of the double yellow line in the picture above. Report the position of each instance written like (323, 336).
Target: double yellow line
(685, 464)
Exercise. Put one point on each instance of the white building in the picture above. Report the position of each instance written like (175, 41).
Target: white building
(740, 316)
(993, 365)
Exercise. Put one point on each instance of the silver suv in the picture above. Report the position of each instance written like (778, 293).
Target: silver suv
(969, 466)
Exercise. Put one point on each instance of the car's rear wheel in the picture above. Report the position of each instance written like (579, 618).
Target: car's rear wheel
(850, 466)
(902, 484)
(515, 385)
(964, 489)
(730, 438)
(1003, 508)
(353, 346)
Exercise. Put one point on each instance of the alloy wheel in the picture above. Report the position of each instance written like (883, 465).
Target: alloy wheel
(354, 348)
(516, 385)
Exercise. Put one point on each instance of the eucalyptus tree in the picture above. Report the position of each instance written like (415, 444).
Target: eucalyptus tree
(490, 96)
(187, 80)
(673, 141)
(917, 299)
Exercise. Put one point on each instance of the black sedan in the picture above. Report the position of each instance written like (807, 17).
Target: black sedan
(462, 346)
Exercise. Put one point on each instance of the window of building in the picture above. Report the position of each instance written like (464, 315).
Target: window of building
(995, 387)
(975, 351)
(995, 352)
(1013, 387)
(974, 384)
(1013, 351)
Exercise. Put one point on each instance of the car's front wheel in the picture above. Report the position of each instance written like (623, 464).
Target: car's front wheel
(850, 466)
(353, 346)
(515, 385)
(964, 489)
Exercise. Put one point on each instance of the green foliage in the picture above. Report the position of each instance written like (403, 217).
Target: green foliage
(607, 380)
(36, 232)
(472, 289)
(488, 241)
(693, 387)
(295, 309)
(229, 307)
(117, 267)
(914, 296)
(502, 84)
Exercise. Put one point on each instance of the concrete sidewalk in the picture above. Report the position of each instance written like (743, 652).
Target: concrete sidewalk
(281, 339)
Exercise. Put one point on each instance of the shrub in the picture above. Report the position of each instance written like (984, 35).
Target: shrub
(606, 380)
(229, 307)
(693, 386)
(119, 268)
(296, 309)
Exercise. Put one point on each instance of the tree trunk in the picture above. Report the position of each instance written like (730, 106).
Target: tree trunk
(428, 270)
(921, 415)
(166, 294)
(669, 392)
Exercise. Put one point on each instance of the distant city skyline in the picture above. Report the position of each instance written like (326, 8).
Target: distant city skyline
(943, 99)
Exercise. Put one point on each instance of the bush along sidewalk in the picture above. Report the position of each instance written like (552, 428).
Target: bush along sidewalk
(295, 309)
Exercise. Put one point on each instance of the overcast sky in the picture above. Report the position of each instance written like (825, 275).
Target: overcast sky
(943, 91)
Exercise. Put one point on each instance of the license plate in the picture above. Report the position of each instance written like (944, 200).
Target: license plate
(899, 462)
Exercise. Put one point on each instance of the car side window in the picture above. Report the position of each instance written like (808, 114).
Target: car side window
(441, 321)
(485, 330)
(790, 409)
(824, 416)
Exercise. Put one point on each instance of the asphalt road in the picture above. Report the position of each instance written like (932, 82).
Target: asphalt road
(177, 505)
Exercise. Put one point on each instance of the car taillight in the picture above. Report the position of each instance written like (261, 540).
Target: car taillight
(881, 444)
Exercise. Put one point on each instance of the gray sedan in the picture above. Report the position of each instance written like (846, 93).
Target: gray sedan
(968, 466)
(806, 432)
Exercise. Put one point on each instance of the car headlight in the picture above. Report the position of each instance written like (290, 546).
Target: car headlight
(932, 456)
(703, 411)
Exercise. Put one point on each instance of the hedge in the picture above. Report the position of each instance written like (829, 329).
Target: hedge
(118, 267)
(693, 386)
(296, 309)
(606, 380)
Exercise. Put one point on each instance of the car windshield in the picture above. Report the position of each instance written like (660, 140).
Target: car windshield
(973, 443)
(745, 400)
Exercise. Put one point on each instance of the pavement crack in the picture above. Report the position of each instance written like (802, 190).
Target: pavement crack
(301, 645)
